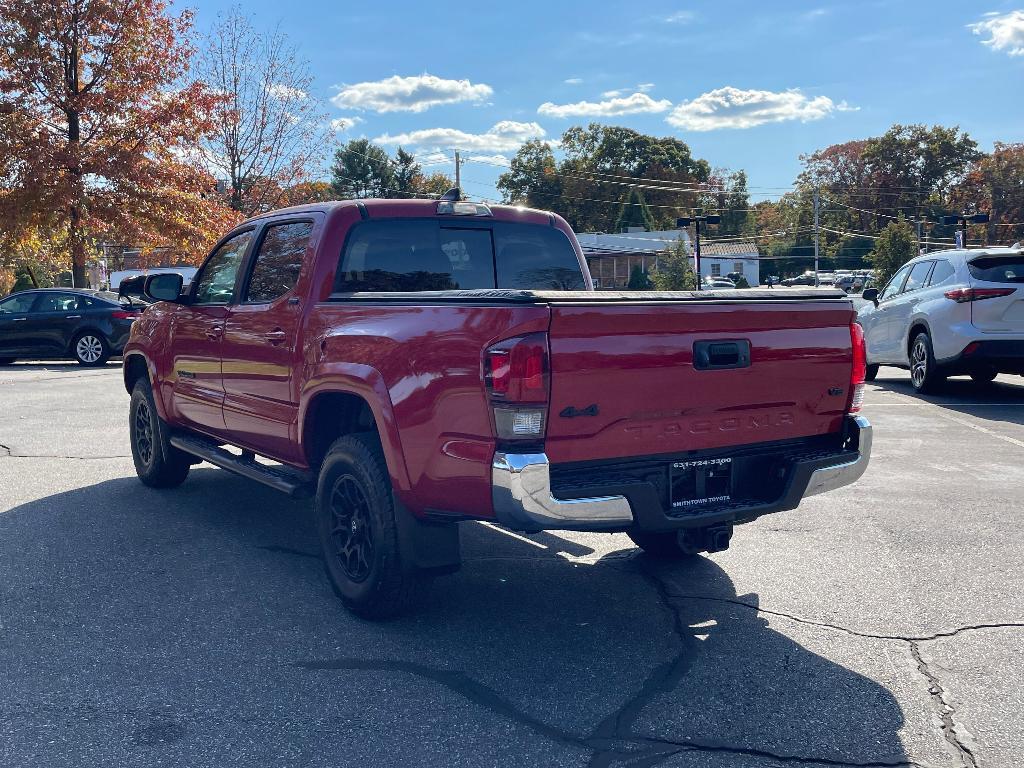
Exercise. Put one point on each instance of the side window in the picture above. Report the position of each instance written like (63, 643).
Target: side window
(216, 281)
(535, 257)
(18, 304)
(278, 261)
(895, 285)
(57, 302)
(918, 276)
(943, 273)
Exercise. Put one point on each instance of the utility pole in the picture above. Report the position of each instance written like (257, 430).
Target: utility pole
(458, 169)
(963, 219)
(696, 221)
(817, 199)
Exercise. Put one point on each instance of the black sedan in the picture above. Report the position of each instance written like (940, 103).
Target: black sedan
(89, 326)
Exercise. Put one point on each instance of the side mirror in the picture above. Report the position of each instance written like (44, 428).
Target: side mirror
(870, 294)
(163, 287)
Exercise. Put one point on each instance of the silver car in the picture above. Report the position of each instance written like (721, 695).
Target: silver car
(949, 313)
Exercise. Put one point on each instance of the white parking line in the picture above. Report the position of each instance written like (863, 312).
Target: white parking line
(984, 430)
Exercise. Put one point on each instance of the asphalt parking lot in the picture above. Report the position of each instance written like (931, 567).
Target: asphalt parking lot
(880, 625)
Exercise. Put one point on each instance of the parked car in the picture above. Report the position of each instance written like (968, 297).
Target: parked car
(949, 313)
(88, 326)
(848, 283)
(805, 279)
(718, 284)
(411, 364)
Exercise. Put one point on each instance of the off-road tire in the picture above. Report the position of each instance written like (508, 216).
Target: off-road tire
(355, 514)
(870, 373)
(662, 545)
(925, 375)
(157, 463)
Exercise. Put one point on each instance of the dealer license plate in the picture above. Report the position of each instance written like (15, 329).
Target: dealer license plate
(700, 483)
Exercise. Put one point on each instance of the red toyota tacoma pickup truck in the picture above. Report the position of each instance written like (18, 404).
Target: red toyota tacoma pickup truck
(412, 364)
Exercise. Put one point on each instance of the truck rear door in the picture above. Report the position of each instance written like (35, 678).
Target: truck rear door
(642, 378)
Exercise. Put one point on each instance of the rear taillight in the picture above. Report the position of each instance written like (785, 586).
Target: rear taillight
(963, 295)
(860, 368)
(516, 375)
(121, 314)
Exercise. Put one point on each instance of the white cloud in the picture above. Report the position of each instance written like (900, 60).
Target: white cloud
(409, 94)
(287, 92)
(625, 105)
(342, 124)
(434, 157)
(611, 94)
(490, 159)
(1005, 31)
(735, 108)
(644, 87)
(680, 17)
(573, 80)
(504, 136)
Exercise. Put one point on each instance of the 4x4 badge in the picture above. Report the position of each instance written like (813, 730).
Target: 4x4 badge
(572, 412)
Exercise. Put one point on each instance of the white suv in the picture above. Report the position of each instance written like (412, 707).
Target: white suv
(949, 313)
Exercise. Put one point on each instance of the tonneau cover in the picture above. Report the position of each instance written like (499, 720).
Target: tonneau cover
(504, 295)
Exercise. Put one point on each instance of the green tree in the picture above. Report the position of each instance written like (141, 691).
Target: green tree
(638, 279)
(732, 202)
(434, 185)
(407, 174)
(675, 270)
(600, 162)
(895, 246)
(532, 178)
(634, 213)
(362, 169)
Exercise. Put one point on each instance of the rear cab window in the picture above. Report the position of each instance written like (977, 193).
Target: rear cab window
(400, 255)
(998, 269)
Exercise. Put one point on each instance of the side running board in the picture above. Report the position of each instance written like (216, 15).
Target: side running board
(289, 481)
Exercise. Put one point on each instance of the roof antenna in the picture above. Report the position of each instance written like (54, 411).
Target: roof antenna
(452, 195)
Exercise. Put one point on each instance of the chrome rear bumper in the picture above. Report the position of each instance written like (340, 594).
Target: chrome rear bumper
(829, 478)
(523, 499)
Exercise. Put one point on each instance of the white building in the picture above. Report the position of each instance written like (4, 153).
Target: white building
(721, 259)
(612, 257)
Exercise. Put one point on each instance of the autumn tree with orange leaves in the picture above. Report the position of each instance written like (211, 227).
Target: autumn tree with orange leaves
(99, 119)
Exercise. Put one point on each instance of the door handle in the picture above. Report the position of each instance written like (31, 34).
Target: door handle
(74, 317)
(19, 319)
(276, 336)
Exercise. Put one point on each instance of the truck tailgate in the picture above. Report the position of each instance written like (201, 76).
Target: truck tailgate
(624, 382)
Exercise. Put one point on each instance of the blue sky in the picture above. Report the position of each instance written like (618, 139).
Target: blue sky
(749, 85)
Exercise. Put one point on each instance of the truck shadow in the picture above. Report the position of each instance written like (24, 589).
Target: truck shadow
(196, 626)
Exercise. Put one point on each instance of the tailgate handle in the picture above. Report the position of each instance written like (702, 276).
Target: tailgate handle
(716, 355)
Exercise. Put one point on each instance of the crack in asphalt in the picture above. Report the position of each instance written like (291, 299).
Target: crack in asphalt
(6, 449)
(10, 455)
(283, 550)
(945, 708)
(856, 632)
(614, 739)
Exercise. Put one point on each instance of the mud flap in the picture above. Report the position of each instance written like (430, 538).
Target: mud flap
(427, 546)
